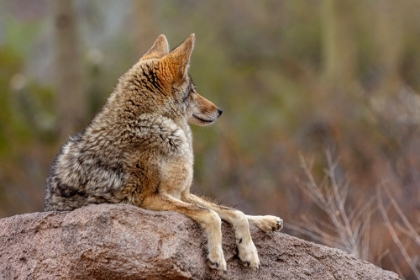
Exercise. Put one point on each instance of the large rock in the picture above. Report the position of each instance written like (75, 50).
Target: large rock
(126, 242)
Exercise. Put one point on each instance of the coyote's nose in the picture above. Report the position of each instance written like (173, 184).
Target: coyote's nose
(220, 111)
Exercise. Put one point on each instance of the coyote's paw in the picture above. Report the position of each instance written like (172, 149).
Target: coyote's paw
(216, 260)
(269, 223)
(248, 253)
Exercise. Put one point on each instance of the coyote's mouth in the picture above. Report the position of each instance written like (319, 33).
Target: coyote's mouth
(203, 120)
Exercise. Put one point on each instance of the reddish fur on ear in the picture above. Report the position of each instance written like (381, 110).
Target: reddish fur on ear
(159, 49)
(178, 60)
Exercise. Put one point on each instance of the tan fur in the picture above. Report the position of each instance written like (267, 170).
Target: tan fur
(138, 150)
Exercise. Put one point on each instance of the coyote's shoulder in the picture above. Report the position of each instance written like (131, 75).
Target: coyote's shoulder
(138, 150)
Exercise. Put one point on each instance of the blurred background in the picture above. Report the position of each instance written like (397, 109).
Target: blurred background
(320, 97)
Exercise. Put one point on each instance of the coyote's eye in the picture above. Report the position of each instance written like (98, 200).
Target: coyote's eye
(186, 96)
(188, 93)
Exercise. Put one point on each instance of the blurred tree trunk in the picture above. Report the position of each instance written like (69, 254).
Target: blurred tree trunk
(145, 25)
(338, 42)
(70, 101)
(389, 37)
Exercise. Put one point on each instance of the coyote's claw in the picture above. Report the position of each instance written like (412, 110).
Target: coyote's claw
(217, 263)
(279, 224)
(248, 254)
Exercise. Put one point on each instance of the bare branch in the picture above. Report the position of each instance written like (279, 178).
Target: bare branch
(394, 235)
(348, 232)
(413, 233)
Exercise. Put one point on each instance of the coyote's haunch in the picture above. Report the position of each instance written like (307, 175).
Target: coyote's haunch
(138, 150)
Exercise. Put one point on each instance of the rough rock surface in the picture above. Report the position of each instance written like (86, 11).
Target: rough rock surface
(126, 242)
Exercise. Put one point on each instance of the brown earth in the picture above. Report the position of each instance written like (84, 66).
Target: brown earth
(126, 242)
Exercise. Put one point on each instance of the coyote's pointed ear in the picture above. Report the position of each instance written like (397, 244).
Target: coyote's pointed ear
(178, 60)
(159, 49)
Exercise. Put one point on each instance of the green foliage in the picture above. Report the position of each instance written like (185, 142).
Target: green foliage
(18, 33)
(10, 63)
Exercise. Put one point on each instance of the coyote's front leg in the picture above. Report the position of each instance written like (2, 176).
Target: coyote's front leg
(205, 217)
(247, 251)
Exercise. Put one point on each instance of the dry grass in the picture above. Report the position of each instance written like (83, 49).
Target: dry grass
(347, 230)
(406, 229)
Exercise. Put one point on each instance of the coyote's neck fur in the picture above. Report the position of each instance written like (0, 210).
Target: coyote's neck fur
(139, 97)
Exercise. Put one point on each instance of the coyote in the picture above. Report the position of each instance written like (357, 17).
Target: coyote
(138, 150)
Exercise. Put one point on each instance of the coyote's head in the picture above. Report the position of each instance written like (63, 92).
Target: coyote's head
(159, 84)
